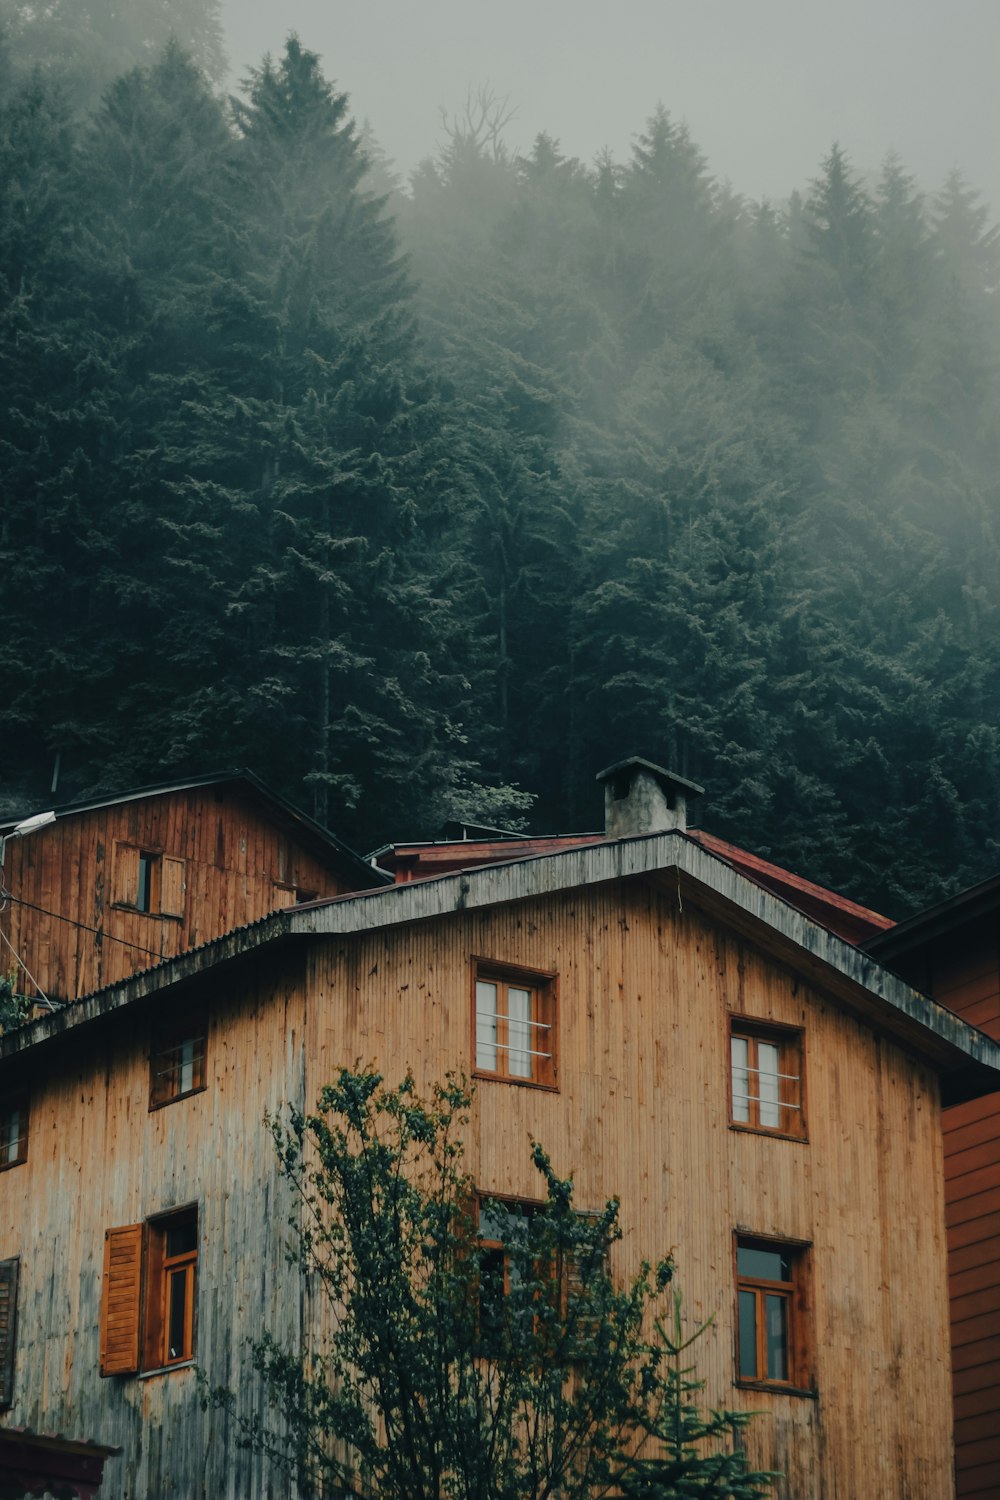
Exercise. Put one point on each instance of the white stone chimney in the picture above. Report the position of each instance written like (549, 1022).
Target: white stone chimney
(642, 798)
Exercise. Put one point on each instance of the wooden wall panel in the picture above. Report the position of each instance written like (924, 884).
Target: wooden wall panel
(642, 1112)
(66, 920)
(99, 1159)
(964, 973)
(644, 995)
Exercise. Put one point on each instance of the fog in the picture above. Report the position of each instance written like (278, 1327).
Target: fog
(765, 87)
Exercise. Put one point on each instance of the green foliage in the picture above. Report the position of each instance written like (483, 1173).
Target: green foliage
(85, 44)
(444, 1373)
(569, 462)
(14, 1008)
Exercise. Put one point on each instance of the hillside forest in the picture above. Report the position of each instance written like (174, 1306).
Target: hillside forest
(429, 499)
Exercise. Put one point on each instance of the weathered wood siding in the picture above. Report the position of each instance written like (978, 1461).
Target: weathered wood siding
(642, 1112)
(966, 977)
(644, 993)
(98, 1158)
(68, 922)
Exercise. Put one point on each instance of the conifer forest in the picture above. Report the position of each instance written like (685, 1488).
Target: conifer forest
(428, 498)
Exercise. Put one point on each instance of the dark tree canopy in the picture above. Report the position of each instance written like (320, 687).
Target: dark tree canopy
(430, 503)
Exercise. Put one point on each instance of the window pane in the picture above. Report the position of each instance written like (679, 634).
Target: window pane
(186, 1060)
(777, 1337)
(491, 1298)
(748, 1335)
(768, 1084)
(182, 1239)
(177, 1295)
(486, 1025)
(764, 1265)
(142, 896)
(741, 1079)
(519, 1032)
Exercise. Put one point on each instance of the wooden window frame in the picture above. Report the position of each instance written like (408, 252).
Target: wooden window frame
(160, 1269)
(791, 1101)
(10, 1105)
(544, 1022)
(166, 1040)
(9, 1271)
(532, 1206)
(135, 1291)
(158, 883)
(795, 1293)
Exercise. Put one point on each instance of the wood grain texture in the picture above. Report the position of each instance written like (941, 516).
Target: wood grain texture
(961, 967)
(221, 863)
(645, 995)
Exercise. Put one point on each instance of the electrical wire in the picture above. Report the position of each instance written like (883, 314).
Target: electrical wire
(105, 937)
(18, 959)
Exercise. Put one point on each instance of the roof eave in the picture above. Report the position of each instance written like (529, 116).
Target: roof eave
(928, 1029)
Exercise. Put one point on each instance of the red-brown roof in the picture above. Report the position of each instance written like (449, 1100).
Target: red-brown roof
(848, 919)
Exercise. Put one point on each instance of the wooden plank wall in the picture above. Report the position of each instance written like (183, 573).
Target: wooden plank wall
(965, 975)
(236, 861)
(98, 1158)
(644, 995)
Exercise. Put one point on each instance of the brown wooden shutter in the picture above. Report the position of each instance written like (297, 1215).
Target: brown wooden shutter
(172, 887)
(282, 896)
(126, 875)
(120, 1300)
(8, 1329)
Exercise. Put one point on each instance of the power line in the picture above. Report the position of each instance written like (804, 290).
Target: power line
(105, 937)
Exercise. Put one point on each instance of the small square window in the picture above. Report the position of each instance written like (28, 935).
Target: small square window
(13, 1131)
(177, 1063)
(766, 1078)
(514, 1024)
(771, 1319)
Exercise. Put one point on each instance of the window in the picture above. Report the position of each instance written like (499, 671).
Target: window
(144, 897)
(766, 1077)
(177, 1063)
(289, 895)
(531, 1277)
(13, 1132)
(8, 1330)
(149, 882)
(771, 1312)
(514, 1022)
(503, 1226)
(149, 1294)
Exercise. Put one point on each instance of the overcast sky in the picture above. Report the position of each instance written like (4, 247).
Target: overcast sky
(765, 85)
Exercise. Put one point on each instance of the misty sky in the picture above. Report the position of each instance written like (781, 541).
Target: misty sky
(765, 85)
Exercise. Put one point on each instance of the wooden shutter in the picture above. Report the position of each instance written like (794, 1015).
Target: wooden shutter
(120, 1300)
(172, 887)
(126, 875)
(282, 896)
(8, 1329)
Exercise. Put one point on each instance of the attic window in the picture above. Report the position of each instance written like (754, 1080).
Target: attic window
(621, 785)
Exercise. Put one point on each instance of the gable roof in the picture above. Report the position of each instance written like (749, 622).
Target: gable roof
(285, 814)
(968, 1062)
(424, 860)
(945, 918)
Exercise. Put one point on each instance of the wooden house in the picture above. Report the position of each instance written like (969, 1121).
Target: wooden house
(764, 1099)
(952, 952)
(116, 884)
